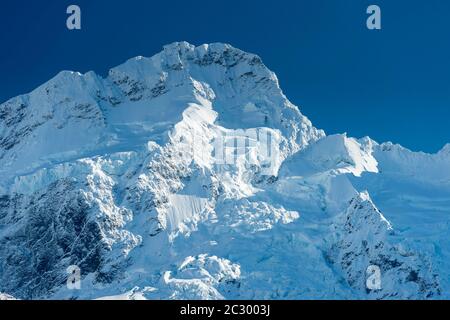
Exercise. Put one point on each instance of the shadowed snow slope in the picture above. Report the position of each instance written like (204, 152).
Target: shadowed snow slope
(189, 175)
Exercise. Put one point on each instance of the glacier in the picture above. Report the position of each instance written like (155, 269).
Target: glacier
(129, 178)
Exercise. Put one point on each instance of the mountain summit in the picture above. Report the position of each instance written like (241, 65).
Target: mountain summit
(189, 175)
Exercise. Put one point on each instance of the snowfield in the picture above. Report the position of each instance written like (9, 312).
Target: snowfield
(189, 175)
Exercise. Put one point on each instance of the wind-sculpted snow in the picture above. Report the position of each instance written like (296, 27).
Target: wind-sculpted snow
(189, 175)
(197, 278)
(4, 297)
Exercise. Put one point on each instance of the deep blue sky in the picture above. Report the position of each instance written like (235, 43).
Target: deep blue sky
(392, 84)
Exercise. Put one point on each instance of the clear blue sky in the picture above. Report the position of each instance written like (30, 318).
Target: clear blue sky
(392, 84)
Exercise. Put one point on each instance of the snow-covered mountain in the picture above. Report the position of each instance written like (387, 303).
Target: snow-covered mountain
(189, 175)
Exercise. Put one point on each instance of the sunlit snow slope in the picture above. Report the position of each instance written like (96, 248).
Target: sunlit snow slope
(140, 179)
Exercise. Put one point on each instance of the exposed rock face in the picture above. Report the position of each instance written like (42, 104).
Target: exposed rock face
(364, 238)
